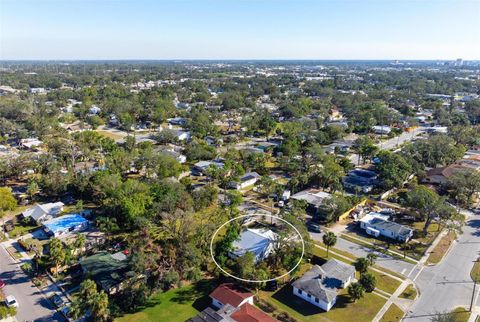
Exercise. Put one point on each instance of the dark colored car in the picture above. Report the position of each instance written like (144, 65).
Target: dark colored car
(313, 226)
(57, 300)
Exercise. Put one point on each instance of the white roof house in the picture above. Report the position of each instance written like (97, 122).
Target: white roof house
(260, 242)
(41, 213)
(381, 129)
(377, 224)
(31, 143)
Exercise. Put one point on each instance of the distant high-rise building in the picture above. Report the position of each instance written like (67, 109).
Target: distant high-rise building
(459, 62)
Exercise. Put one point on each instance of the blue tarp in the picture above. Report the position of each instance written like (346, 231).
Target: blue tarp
(65, 223)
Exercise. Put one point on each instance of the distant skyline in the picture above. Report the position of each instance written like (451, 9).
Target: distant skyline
(241, 29)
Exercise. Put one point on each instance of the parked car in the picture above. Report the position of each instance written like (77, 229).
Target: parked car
(313, 226)
(2, 284)
(281, 203)
(57, 300)
(11, 301)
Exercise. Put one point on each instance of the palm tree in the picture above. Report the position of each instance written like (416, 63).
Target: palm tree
(79, 243)
(355, 291)
(329, 239)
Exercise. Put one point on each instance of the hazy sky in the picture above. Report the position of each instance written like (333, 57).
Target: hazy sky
(239, 29)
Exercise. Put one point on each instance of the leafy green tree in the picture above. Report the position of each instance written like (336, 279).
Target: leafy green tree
(245, 266)
(57, 253)
(365, 148)
(361, 265)
(425, 202)
(329, 239)
(393, 169)
(7, 200)
(372, 258)
(464, 186)
(355, 291)
(368, 281)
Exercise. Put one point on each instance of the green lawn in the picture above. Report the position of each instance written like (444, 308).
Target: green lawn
(393, 314)
(364, 309)
(380, 247)
(20, 230)
(475, 272)
(461, 314)
(174, 305)
(441, 248)
(409, 293)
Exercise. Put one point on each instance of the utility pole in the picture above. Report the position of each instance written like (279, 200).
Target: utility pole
(474, 288)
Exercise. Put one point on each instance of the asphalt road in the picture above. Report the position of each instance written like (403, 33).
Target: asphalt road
(383, 260)
(393, 143)
(448, 285)
(32, 305)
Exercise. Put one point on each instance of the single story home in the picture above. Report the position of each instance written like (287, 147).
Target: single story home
(381, 129)
(315, 198)
(65, 224)
(248, 179)
(110, 271)
(319, 286)
(360, 180)
(376, 224)
(260, 242)
(231, 303)
(229, 293)
(41, 213)
(181, 135)
(30, 143)
(202, 166)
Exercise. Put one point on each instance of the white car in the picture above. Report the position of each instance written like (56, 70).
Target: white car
(11, 301)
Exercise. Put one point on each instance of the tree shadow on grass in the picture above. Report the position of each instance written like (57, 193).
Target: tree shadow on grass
(285, 296)
(198, 294)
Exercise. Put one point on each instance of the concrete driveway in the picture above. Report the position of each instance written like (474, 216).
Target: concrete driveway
(32, 305)
(448, 285)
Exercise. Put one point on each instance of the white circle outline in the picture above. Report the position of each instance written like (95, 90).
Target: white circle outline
(256, 281)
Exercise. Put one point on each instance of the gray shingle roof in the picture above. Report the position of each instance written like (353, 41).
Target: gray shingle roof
(322, 282)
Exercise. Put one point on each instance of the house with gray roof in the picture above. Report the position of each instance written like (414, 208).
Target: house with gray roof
(319, 286)
(377, 224)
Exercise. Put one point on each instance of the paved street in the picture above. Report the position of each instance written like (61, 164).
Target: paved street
(32, 305)
(448, 284)
(383, 260)
(393, 143)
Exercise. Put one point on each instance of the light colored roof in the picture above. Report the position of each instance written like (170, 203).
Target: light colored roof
(39, 210)
(312, 196)
(258, 241)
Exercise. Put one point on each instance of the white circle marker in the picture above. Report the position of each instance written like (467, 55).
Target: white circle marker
(257, 281)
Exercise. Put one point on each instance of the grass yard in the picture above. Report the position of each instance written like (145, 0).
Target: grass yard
(174, 305)
(461, 314)
(380, 246)
(475, 272)
(409, 293)
(14, 252)
(364, 309)
(441, 249)
(20, 230)
(110, 135)
(393, 314)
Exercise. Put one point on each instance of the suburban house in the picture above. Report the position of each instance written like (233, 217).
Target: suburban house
(202, 166)
(181, 135)
(231, 304)
(41, 213)
(360, 180)
(110, 271)
(248, 179)
(377, 224)
(319, 286)
(315, 199)
(65, 224)
(229, 293)
(381, 129)
(260, 242)
(30, 143)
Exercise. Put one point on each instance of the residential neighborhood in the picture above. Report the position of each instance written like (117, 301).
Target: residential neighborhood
(239, 161)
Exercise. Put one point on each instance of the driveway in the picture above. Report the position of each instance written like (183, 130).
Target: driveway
(383, 260)
(448, 285)
(32, 305)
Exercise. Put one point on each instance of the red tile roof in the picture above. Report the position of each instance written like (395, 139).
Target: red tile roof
(229, 293)
(249, 313)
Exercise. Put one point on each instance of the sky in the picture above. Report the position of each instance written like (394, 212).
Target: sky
(239, 29)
